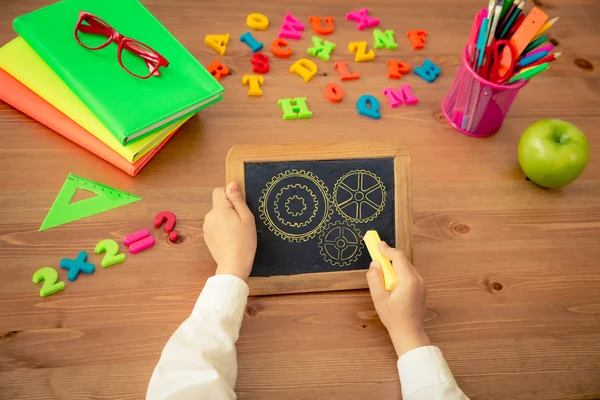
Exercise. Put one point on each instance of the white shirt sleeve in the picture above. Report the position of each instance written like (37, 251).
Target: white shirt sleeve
(199, 360)
(424, 375)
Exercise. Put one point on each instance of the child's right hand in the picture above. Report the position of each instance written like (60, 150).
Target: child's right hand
(402, 309)
(230, 232)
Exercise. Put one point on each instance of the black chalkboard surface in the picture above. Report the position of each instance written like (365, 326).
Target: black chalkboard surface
(313, 202)
(311, 215)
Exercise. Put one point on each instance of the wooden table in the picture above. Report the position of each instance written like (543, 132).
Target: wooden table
(512, 269)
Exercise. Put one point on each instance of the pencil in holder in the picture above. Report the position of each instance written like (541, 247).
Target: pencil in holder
(475, 106)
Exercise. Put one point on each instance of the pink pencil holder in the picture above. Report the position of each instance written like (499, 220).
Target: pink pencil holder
(475, 106)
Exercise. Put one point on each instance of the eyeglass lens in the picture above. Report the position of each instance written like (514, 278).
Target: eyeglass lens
(93, 33)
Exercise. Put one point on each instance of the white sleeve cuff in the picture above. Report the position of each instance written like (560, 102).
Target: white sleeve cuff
(223, 294)
(421, 368)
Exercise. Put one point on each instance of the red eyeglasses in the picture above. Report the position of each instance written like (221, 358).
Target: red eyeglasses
(140, 60)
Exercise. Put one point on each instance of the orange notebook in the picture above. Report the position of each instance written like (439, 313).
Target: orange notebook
(22, 98)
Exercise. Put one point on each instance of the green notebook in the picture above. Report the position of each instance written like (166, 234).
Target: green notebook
(130, 107)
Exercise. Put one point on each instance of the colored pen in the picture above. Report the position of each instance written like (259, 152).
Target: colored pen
(546, 59)
(529, 73)
(491, 8)
(512, 19)
(495, 18)
(506, 18)
(515, 26)
(548, 48)
(535, 43)
(481, 41)
(475, 56)
(505, 8)
(546, 26)
(473, 36)
(525, 61)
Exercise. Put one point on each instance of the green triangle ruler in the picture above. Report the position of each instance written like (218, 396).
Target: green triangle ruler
(107, 198)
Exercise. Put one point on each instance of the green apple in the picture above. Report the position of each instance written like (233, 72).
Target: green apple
(553, 153)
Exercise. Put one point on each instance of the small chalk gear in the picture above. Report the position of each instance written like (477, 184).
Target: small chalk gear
(340, 244)
(351, 197)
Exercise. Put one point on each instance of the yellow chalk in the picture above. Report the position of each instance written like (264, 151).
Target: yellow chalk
(372, 241)
(257, 21)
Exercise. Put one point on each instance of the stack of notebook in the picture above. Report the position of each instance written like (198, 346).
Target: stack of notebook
(91, 96)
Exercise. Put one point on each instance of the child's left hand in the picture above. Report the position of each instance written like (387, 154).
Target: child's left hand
(230, 232)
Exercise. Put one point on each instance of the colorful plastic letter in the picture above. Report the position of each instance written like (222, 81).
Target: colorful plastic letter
(305, 68)
(417, 38)
(345, 75)
(394, 97)
(217, 42)
(257, 22)
(402, 95)
(136, 236)
(77, 265)
(291, 28)
(360, 48)
(217, 69)
(381, 39)
(278, 51)
(334, 92)
(254, 44)
(363, 19)
(260, 63)
(254, 81)
(318, 26)
(169, 220)
(141, 245)
(397, 68)
(112, 256)
(409, 97)
(50, 277)
(288, 33)
(368, 106)
(294, 108)
(321, 49)
(428, 71)
(293, 22)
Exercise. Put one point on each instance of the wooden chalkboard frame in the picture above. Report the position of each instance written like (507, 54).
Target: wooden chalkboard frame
(328, 281)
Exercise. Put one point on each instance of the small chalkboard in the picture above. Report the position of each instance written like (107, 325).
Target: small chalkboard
(313, 203)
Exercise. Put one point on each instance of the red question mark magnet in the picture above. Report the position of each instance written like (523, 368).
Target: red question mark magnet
(169, 218)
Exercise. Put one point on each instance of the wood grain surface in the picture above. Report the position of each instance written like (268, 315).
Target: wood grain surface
(512, 269)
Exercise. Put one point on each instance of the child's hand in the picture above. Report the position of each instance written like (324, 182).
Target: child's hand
(402, 309)
(230, 232)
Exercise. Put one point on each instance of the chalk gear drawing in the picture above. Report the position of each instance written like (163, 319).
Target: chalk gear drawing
(340, 244)
(290, 206)
(359, 196)
(283, 213)
(294, 199)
